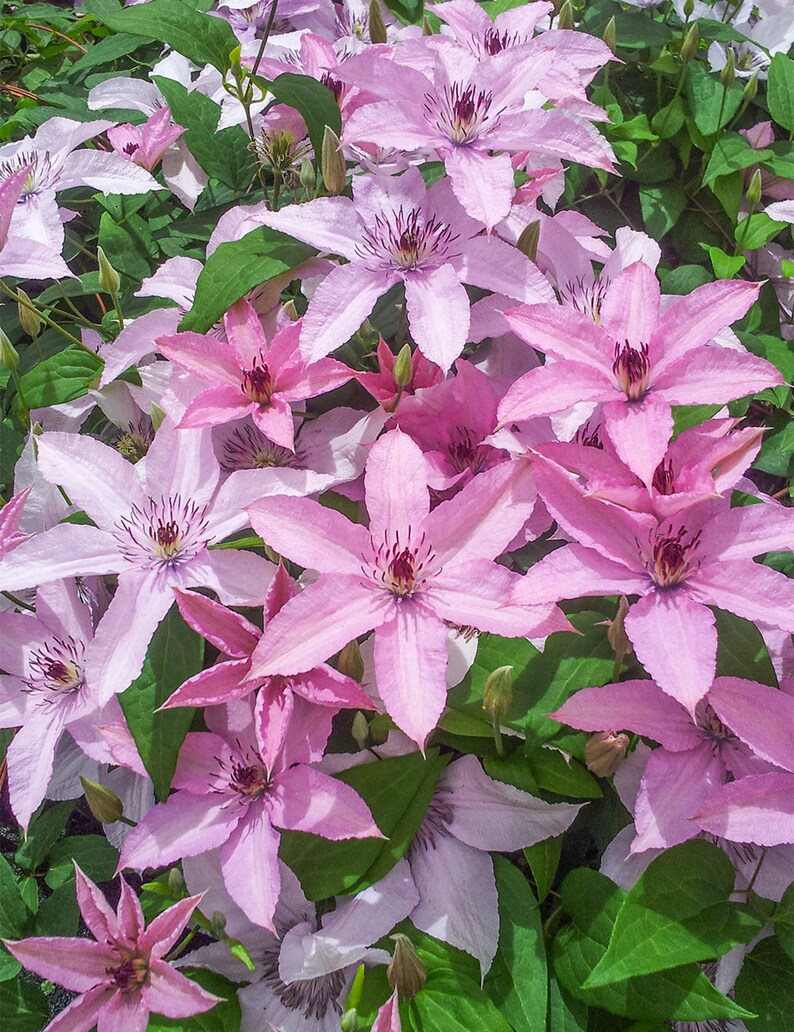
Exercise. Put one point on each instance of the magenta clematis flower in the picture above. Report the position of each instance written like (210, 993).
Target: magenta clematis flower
(121, 976)
(757, 809)
(701, 557)
(153, 524)
(638, 362)
(145, 144)
(250, 377)
(466, 110)
(227, 797)
(305, 703)
(388, 1017)
(739, 728)
(407, 576)
(382, 385)
(395, 230)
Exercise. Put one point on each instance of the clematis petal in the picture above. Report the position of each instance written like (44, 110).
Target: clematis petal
(762, 717)
(304, 799)
(185, 825)
(76, 964)
(757, 809)
(395, 484)
(170, 993)
(339, 306)
(438, 313)
(249, 862)
(640, 432)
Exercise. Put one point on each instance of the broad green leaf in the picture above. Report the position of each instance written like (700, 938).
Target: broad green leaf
(224, 1016)
(566, 1012)
(174, 655)
(102, 53)
(729, 191)
(518, 980)
(780, 91)
(59, 913)
(129, 248)
(669, 119)
(24, 1007)
(725, 265)
(685, 416)
(680, 994)
(678, 911)
(784, 921)
(705, 96)
(756, 230)
(397, 791)
(197, 36)
(235, 268)
(409, 11)
(314, 101)
(554, 773)
(225, 155)
(766, 985)
(9, 968)
(61, 377)
(661, 207)
(742, 651)
(95, 855)
(29, 890)
(684, 279)
(732, 153)
(44, 831)
(544, 859)
(13, 912)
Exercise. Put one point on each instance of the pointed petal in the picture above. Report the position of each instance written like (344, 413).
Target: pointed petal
(640, 431)
(276, 422)
(714, 376)
(249, 863)
(95, 909)
(483, 184)
(224, 682)
(573, 571)
(170, 993)
(339, 306)
(67, 550)
(207, 357)
(675, 639)
(76, 964)
(565, 334)
(215, 406)
(81, 1014)
(747, 589)
(553, 388)
(185, 825)
(758, 809)
(31, 756)
(748, 531)
(106, 172)
(229, 632)
(493, 264)
(438, 313)
(395, 484)
(762, 717)
(304, 799)
(237, 577)
(324, 686)
(630, 309)
(310, 534)
(325, 223)
(166, 928)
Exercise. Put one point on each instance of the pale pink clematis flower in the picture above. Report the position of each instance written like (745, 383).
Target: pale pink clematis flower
(249, 376)
(226, 796)
(396, 231)
(638, 361)
(21, 257)
(757, 809)
(120, 974)
(10, 515)
(700, 557)
(145, 144)
(407, 576)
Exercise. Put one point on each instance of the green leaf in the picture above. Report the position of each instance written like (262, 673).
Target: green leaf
(129, 248)
(409, 11)
(756, 230)
(314, 101)
(554, 773)
(741, 650)
(784, 921)
(566, 1013)
(705, 97)
(729, 191)
(44, 831)
(766, 986)
(61, 377)
(224, 1017)
(669, 119)
(13, 912)
(732, 153)
(680, 994)
(544, 859)
(225, 155)
(199, 37)
(725, 265)
(102, 53)
(9, 967)
(661, 207)
(397, 791)
(780, 91)
(518, 980)
(59, 914)
(678, 911)
(235, 268)
(174, 655)
(24, 1007)
(685, 416)
(95, 855)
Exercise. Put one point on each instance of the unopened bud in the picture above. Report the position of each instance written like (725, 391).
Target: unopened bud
(427, 28)
(289, 309)
(334, 169)
(498, 692)
(218, 924)
(527, 242)
(616, 633)
(689, 8)
(104, 804)
(605, 751)
(349, 1021)
(360, 730)
(403, 366)
(610, 36)
(29, 319)
(176, 881)
(377, 26)
(751, 88)
(690, 45)
(235, 64)
(307, 175)
(728, 73)
(350, 662)
(157, 414)
(9, 356)
(406, 973)
(109, 279)
(565, 20)
(754, 189)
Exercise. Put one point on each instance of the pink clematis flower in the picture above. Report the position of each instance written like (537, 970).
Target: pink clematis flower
(739, 728)
(396, 231)
(701, 557)
(121, 976)
(153, 522)
(21, 257)
(250, 376)
(10, 515)
(638, 362)
(407, 576)
(227, 797)
(145, 144)
(382, 385)
(757, 809)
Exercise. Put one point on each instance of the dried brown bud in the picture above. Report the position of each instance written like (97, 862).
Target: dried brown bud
(406, 973)
(605, 751)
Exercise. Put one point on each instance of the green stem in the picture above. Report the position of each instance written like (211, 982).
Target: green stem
(5, 289)
(115, 299)
(18, 601)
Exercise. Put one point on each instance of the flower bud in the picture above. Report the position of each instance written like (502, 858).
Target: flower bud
(377, 26)
(689, 8)
(109, 279)
(9, 356)
(728, 73)
(690, 45)
(427, 28)
(527, 242)
(334, 169)
(29, 319)
(218, 924)
(754, 189)
(403, 366)
(360, 730)
(350, 662)
(349, 1022)
(289, 309)
(565, 20)
(176, 881)
(616, 634)
(157, 414)
(610, 36)
(104, 804)
(605, 751)
(307, 175)
(751, 89)
(406, 973)
(498, 692)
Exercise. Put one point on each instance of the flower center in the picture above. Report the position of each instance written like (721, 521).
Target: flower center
(586, 298)
(631, 368)
(589, 436)
(336, 86)
(163, 533)
(465, 453)
(312, 997)
(131, 973)
(248, 448)
(402, 567)
(41, 175)
(674, 559)
(56, 668)
(244, 777)
(257, 383)
(439, 815)
(664, 478)
(407, 240)
(712, 727)
(461, 113)
(494, 41)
